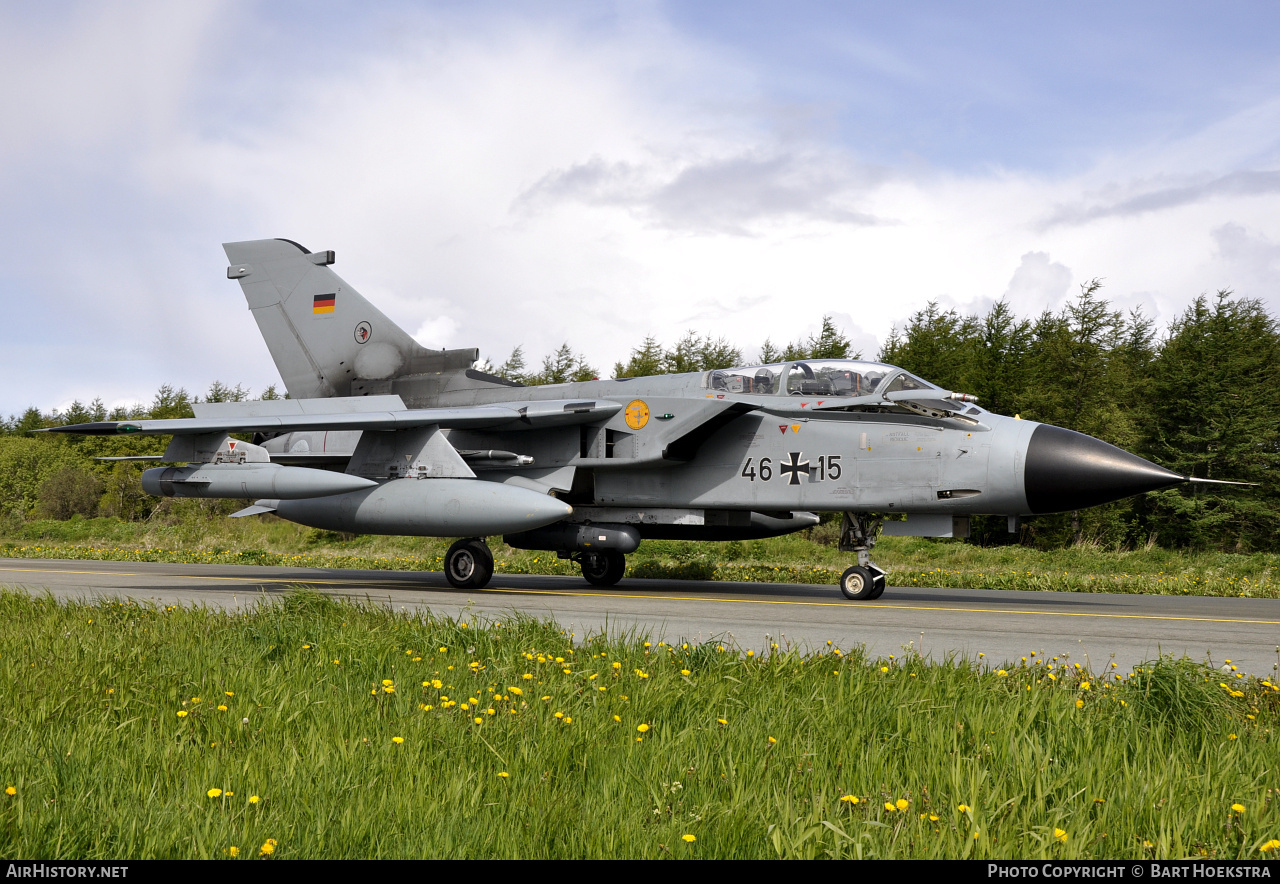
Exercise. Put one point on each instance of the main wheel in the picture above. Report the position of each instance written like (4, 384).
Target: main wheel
(468, 564)
(604, 568)
(857, 584)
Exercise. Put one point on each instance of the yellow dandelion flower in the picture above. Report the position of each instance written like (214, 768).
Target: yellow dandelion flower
(214, 793)
(387, 682)
(397, 740)
(1238, 808)
(182, 713)
(772, 741)
(268, 847)
(1060, 835)
(1270, 846)
(478, 720)
(1079, 704)
(684, 672)
(389, 689)
(850, 799)
(10, 791)
(643, 728)
(222, 708)
(902, 804)
(888, 805)
(688, 839)
(559, 715)
(516, 691)
(721, 721)
(230, 693)
(254, 799)
(617, 718)
(963, 808)
(933, 817)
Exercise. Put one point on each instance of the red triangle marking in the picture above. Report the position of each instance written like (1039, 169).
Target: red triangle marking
(783, 428)
(231, 446)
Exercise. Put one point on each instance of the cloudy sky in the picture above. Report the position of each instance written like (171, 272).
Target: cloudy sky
(525, 173)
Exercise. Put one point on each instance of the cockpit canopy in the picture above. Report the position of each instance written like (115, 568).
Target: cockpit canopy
(815, 377)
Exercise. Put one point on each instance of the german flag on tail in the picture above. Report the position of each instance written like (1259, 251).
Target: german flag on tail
(323, 303)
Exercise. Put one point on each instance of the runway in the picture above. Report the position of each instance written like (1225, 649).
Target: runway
(1092, 628)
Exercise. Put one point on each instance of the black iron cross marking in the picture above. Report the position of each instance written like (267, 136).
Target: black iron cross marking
(795, 467)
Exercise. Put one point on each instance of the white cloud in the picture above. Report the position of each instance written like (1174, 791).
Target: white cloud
(1249, 264)
(1038, 284)
(437, 333)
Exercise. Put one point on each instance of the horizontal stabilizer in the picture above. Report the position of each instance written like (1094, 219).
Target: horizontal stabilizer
(506, 415)
(294, 407)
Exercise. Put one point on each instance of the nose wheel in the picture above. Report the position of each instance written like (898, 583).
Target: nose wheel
(468, 564)
(864, 582)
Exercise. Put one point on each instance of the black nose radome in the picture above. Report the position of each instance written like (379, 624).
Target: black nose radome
(1066, 470)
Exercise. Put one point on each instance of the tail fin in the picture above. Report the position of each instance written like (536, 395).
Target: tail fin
(321, 333)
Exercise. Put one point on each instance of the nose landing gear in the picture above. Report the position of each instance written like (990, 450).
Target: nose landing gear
(864, 581)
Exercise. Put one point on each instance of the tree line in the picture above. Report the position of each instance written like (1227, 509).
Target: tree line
(1201, 397)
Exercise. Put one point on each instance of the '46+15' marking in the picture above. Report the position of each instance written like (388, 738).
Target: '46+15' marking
(827, 467)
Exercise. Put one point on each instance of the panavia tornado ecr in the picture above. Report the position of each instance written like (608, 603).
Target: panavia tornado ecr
(384, 436)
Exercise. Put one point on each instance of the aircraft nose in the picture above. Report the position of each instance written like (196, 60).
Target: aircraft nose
(1066, 470)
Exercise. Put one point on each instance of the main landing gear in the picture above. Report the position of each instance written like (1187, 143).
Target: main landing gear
(468, 564)
(603, 568)
(864, 581)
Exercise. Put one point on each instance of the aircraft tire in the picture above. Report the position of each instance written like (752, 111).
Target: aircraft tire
(468, 564)
(604, 568)
(878, 586)
(857, 584)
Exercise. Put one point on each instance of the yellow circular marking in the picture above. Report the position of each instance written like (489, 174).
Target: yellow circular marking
(637, 414)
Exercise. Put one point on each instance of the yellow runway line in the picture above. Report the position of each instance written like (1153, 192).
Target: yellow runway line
(172, 576)
(676, 598)
(876, 607)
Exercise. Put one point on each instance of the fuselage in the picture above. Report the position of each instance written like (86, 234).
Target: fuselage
(816, 435)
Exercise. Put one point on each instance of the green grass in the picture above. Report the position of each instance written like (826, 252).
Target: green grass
(198, 535)
(115, 733)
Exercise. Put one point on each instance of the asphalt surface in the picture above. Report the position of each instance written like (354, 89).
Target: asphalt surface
(1093, 628)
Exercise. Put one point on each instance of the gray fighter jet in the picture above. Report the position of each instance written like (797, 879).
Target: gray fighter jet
(384, 436)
